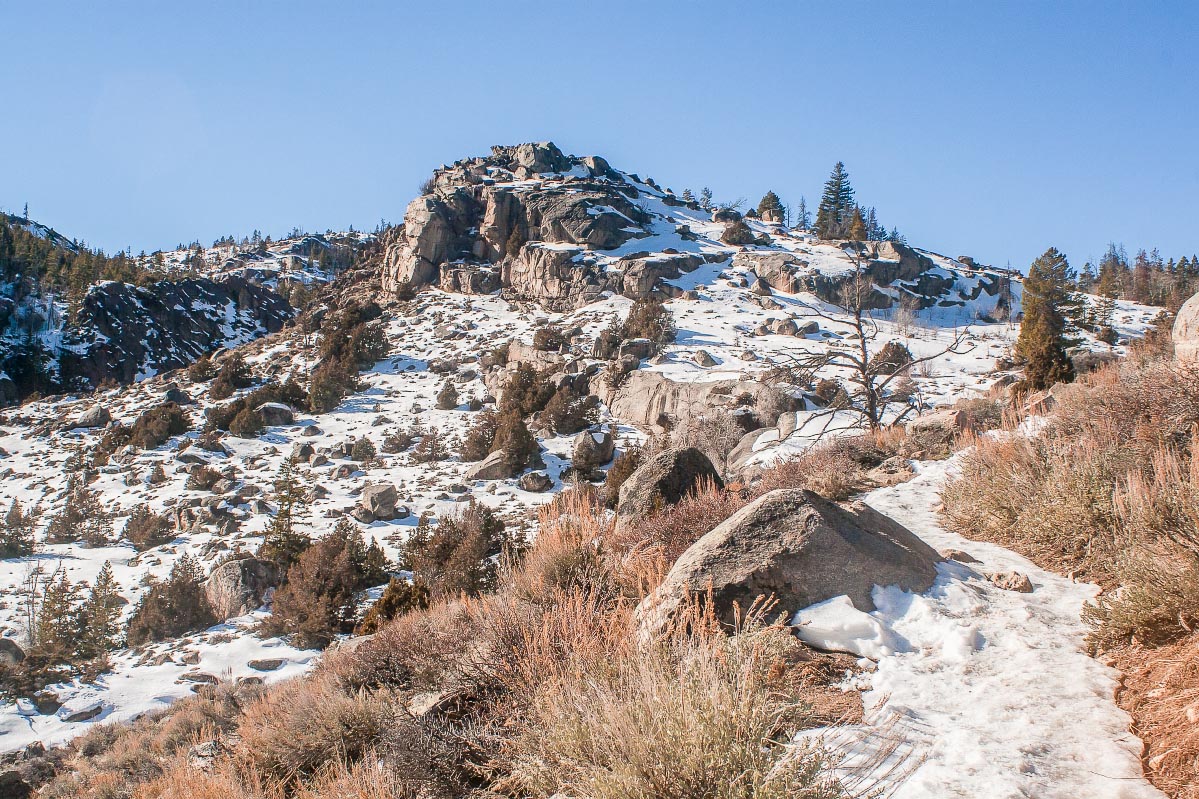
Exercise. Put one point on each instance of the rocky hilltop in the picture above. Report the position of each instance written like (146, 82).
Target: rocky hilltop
(563, 231)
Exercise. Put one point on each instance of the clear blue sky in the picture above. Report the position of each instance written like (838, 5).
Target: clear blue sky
(989, 129)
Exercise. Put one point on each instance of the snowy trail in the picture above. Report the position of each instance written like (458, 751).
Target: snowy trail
(990, 690)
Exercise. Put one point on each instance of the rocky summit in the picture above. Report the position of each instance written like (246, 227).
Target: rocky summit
(563, 231)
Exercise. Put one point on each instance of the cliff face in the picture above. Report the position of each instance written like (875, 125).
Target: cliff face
(125, 332)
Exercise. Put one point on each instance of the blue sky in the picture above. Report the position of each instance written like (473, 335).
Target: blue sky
(988, 129)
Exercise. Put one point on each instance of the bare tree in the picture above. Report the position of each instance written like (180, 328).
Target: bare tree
(870, 378)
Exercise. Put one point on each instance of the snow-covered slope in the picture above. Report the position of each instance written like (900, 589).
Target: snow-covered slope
(987, 692)
(739, 311)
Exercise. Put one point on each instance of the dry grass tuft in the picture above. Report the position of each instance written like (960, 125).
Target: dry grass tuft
(695, 716)
(1161, 691)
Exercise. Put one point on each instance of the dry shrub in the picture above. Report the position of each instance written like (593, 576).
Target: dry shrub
(302, 726)
(1158, 567)
(1108, 490)
(672, 529)
(695, 716)
(829, 469)
(119, 760)
(421, 650)
(1161, 691)
(567, 554)
(1051, 503)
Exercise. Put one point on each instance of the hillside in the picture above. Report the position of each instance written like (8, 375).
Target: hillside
(506, 277)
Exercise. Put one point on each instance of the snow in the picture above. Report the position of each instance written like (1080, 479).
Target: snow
(835, 625)
(990, 692)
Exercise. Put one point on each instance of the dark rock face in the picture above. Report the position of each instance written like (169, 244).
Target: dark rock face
(125, 332)
(798, 548)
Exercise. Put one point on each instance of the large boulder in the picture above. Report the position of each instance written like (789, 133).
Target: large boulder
(938, 428)
(10, 652)
(494, 467)
(797, 547)
(1186, 331)
(275, 413)
(379, 501)
(95, 416)
(239, 586)
(663, 480)
(593, 448)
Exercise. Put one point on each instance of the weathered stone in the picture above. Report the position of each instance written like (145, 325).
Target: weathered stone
(494, 467)
(10, 652)
(266, 664)
(938, 427)
(1012, 581)
(275, 413)
(663, 480)
(1185, 333)
(704, 358)
(240, 586)
(593, 448)
(959, 556)
(95, 416)
(795, 547)
(379, 500)
(536, 482)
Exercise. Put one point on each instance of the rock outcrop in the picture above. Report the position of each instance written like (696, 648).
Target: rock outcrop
(1185, 332)
(529, 220)
(798, 548)
(663, 480)
(239, 586)
(125, 332)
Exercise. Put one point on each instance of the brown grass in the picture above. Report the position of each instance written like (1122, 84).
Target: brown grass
(1161, 691)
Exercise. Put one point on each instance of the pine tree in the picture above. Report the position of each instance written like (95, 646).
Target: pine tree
(1042, 340)
(100, 615)
(836, 204)
(282, 542)
(803, 218)
(16, 535)
(770, 208)
(857, 226)
(688, 196)
(705, 198)
(58, 619)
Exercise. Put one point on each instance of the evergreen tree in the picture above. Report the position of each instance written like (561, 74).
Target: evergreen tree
(282, 542)
(857, 226)
(803, 218)
(836, 205)
(58, 619)
(688, 196)
(770, 208)
(100, 615)
(705, 198)
(174, 607)
(16, 535)
(1042, 340)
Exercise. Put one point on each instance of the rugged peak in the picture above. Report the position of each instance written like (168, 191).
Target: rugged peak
(534, 157)
(564, 231)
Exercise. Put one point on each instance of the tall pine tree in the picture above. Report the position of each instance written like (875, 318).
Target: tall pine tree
(1042, 341)
(836, 205)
